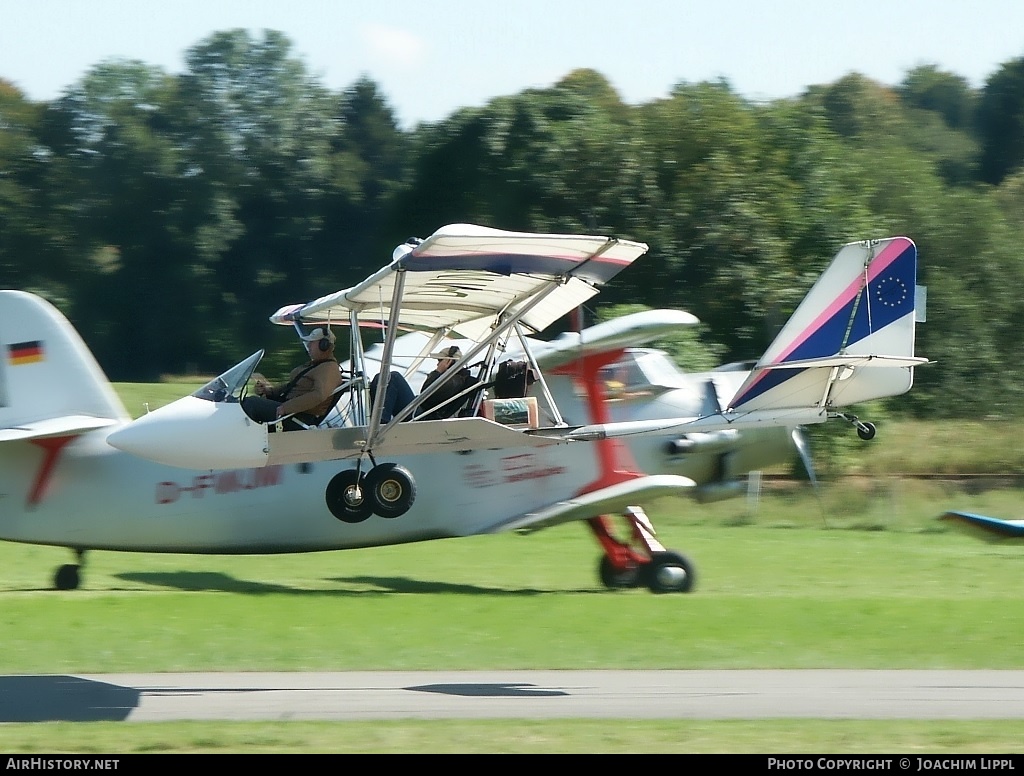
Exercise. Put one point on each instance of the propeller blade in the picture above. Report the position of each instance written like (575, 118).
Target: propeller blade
(803, 447)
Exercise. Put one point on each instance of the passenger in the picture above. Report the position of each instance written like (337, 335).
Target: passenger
(308, 393)
(445, 359)
(397, 395)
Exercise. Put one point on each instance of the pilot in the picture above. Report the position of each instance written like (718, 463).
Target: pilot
(445, 360)
(308, 394)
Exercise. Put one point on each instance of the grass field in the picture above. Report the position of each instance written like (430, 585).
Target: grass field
(860, 576)
(771, 593)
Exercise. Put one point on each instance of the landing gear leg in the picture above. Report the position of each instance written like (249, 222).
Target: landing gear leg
(67, 577)
(647, 563)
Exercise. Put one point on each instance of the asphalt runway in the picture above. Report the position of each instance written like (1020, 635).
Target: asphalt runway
(374, 695)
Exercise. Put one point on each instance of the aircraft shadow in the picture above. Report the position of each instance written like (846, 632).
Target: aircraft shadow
(64, 699)
(501, 690)
(47, 698)
(209, 581)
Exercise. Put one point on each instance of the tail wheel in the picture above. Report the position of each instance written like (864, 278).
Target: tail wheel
(616, 578)
(346, 497)
(669, 572)
(391, 488)
(67, 577)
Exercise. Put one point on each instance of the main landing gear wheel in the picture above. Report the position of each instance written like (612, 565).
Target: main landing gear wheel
(346, 497)
(669, 572)
(615, 578)
(392, 489)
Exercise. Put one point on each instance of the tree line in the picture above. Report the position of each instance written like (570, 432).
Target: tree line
(168, 215)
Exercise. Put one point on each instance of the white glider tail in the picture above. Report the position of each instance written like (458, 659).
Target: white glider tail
(50, 385)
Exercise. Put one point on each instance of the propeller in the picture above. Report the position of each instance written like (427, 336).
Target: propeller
(802, 443)
(803, 446)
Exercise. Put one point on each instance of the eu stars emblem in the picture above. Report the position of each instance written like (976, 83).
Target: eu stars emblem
(891, 291)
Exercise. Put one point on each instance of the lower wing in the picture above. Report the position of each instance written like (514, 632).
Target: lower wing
(614, 498)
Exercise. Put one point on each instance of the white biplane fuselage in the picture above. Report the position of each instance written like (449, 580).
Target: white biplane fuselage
(199, 476)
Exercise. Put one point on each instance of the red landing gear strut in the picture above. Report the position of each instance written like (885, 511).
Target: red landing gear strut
(640, 560)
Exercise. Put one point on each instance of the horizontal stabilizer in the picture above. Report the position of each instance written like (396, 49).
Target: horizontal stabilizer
(614, 498)
(69, 425)
(990, 529)
(851, 361)
(718, 421)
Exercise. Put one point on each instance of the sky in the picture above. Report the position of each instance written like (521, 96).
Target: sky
(432, 57)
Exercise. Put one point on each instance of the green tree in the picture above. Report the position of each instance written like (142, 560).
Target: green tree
(941, 109)
(1000, 122)
(36, 242)
(926, 87)
(145, 286)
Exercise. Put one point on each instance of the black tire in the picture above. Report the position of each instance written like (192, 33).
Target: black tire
(346, 497)
(67, 577)
(866, 431)
(615, 578)
(391, 489)
(669, 572)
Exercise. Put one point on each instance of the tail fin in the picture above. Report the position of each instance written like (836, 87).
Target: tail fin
(50, 384)
(850, 340)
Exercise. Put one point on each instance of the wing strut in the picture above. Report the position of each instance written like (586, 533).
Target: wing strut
(373, 430)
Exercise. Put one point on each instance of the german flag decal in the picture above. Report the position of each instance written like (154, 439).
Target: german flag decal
(20, 353)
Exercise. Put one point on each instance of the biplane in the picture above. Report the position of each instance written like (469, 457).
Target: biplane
(544, 434)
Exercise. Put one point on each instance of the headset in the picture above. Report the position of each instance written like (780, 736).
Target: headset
(325, 342)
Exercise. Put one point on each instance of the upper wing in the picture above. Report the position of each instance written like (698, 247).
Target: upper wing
(464, 276)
